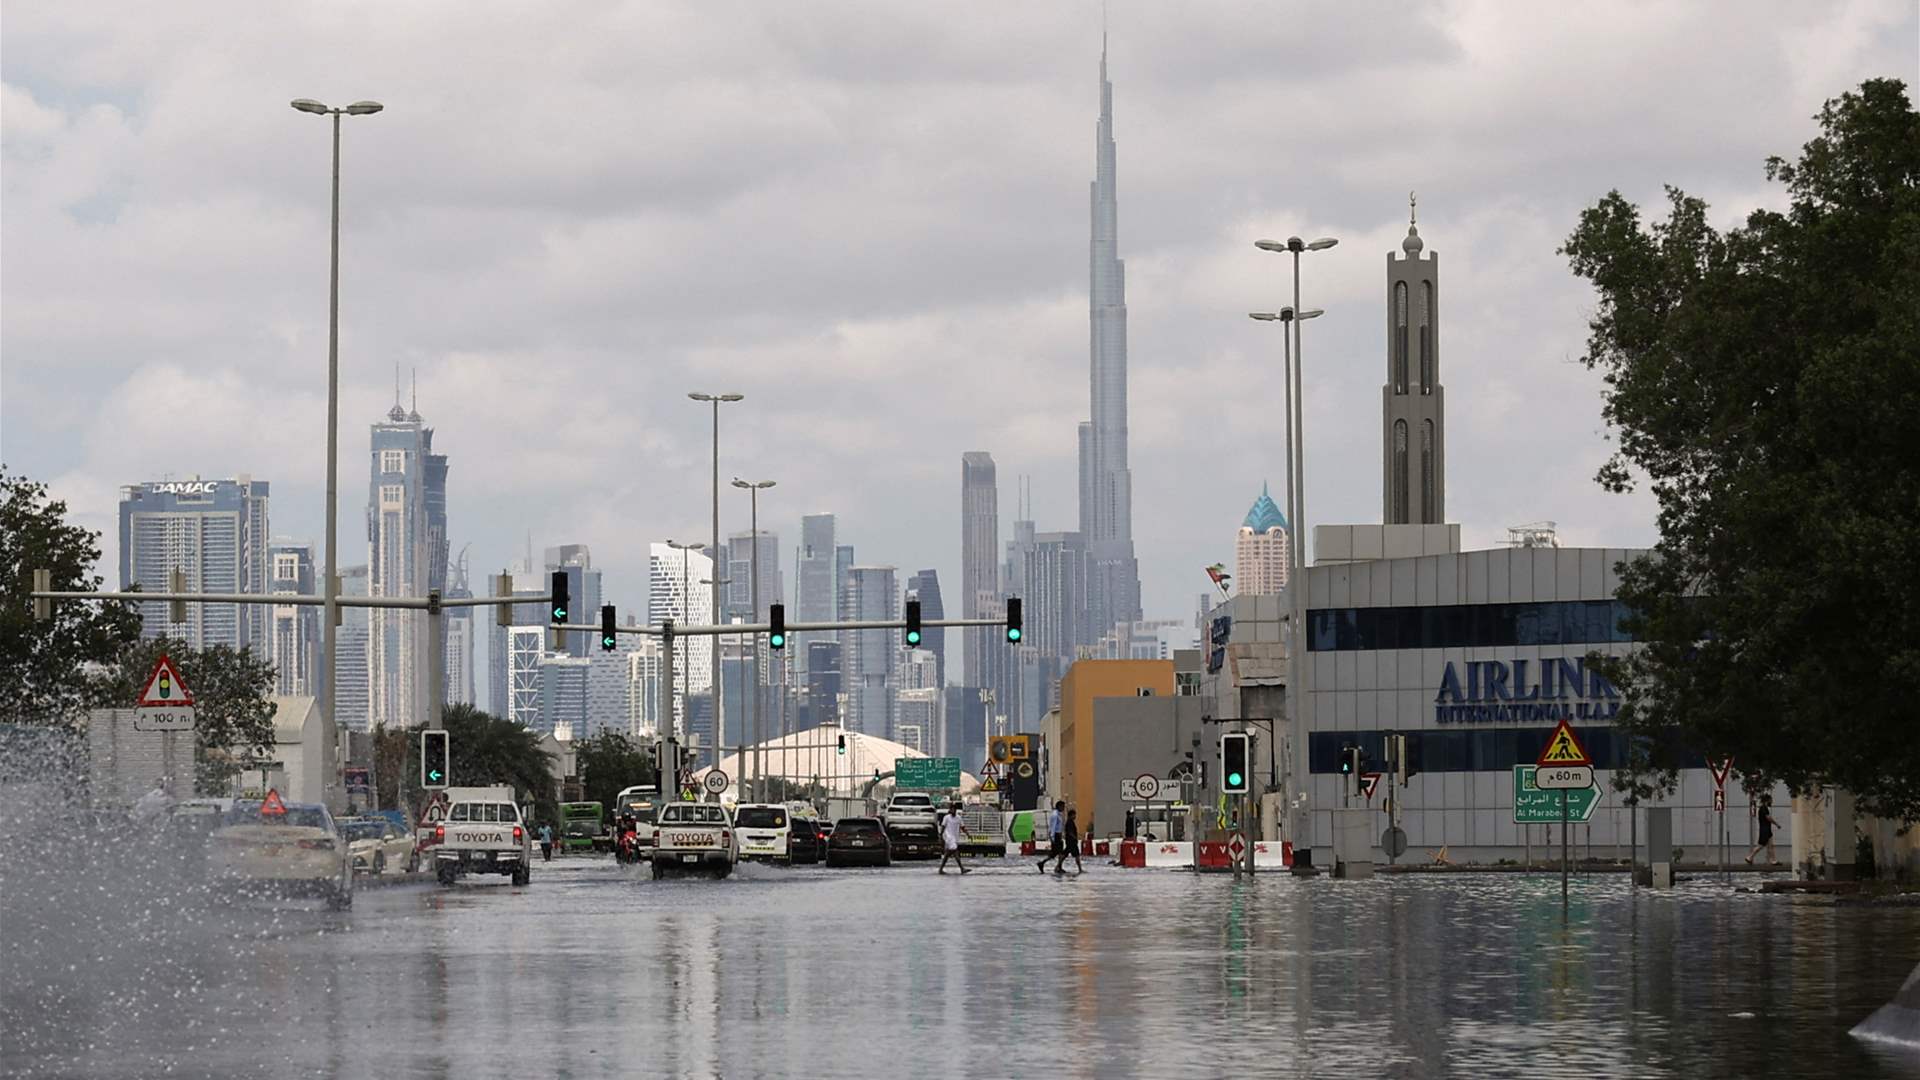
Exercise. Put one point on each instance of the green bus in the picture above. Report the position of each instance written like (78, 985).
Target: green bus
(581, 825)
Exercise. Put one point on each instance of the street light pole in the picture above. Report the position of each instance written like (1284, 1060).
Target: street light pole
(753, 490)
(330, 610)
(719, 691)
(1296, 575)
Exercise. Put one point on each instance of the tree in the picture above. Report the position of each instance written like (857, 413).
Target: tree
(487, 750)
(609, 763)
(41, 663)
(232, 698)
(1765, 381)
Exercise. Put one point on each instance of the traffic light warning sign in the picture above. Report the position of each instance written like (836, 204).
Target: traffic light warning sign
(1563, 749)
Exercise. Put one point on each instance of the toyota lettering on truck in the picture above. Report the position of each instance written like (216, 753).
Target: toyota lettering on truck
(696, 837)
(483, 834)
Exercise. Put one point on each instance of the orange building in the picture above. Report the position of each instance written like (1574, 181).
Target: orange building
(1086, 681)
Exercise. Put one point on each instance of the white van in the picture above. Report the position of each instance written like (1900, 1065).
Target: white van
(765, 829)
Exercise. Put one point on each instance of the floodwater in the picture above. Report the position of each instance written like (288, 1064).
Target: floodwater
(598, 971)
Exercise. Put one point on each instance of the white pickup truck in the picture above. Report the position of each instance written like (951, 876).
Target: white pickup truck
(483, 834)
(695, 837)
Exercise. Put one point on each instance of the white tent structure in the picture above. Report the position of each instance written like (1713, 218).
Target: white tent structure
(813, 756)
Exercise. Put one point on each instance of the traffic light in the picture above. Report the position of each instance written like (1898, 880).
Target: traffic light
(42, 606)
(1235, 778)
(1347, 759)
(1013, 618)
(913, 624)
(777, 626)
(1409, 758)
(436, 762)
(502, 586)
(606, 628)
(559, 596)
(842, 747)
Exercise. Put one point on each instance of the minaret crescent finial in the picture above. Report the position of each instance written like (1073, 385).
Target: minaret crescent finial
(1412, 205)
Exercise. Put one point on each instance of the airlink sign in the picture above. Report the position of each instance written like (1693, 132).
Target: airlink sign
(1523, 690)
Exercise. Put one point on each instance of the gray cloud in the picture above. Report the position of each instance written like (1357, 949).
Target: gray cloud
(872, 220)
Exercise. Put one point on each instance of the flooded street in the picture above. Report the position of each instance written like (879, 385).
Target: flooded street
(596, 971)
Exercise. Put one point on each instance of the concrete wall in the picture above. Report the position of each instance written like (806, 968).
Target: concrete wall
(1142, 735)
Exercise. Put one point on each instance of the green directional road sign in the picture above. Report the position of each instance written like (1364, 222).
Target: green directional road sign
(1532, 806)
(927, 773)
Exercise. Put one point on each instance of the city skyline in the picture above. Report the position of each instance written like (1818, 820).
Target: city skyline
(245, 351)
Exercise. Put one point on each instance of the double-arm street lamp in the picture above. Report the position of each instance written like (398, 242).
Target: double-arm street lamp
(716, 400)
(1290, 319)
(753, 490)
(330, 609)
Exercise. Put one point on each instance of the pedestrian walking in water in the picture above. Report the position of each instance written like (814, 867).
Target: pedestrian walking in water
(1073, 844)
(1056, 836)
(950, 829)
(1767, 825)
(546, 843)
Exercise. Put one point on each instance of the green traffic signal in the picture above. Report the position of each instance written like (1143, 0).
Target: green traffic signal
(1235, 780)
(1013, 633)
(913, 637)
(777, 626)
(778, 641)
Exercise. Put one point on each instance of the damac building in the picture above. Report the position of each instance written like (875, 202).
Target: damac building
(216, 532)
(406, 556)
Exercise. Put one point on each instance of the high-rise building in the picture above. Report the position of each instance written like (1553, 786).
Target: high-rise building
(739, 594)
(979, 562)
(675, 592)
(583, 593)
(293, 640)
(867, 656)
(1056, 574)
(350, 703)
(1413, 403)
(966, 726)
(842, 563)
(406, 556)
(817, 584)
(563, 696)
(643, 690)
(462, 637)
(1106, 480)
(918, 704)
(516, 650)
(821, 704)
(1260, 551)
(215, 531)
(925, 587)
(609, 692)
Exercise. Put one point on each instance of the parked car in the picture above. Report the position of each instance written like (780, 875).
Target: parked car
(292, 849)
(376, 843)
(806, 843)
(858, 841)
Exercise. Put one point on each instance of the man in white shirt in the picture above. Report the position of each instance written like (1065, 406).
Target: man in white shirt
(950, 830)
(1056, 837)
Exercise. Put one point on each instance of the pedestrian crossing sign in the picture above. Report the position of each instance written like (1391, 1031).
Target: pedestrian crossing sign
(1563, 749)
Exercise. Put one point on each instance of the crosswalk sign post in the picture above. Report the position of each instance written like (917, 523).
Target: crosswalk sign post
(1563, 748)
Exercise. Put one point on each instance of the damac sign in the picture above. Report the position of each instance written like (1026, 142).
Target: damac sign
(1523, 690)
(186, 487)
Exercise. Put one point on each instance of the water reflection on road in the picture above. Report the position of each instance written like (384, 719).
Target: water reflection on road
(592, 971)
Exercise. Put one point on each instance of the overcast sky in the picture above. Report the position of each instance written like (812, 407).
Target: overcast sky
(869, 218)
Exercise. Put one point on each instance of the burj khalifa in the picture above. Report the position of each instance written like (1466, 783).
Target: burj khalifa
(1106, 482)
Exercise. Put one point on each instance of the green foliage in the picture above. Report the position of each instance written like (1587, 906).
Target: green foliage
(41, 662)
(485, 750)
(1764, 380)
(232, 697)
(608, 763)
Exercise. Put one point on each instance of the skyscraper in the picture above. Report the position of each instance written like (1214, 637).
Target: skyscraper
(867, 656)
(407, 556)
(979, 562)
(516, 650)
(293, 638)
(925, 587)
(215, 531)
(1106, 481)
(462, 637)
(350, 706)
(1413, 425)
(818, 588)
(1260, 549)
(674, 592)
(739, 594)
